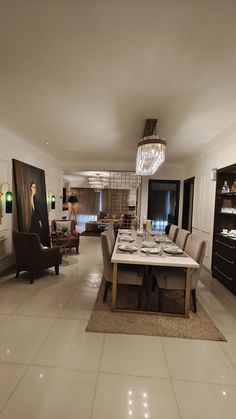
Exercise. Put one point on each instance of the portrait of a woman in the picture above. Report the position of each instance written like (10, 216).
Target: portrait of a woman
(31, 200)
(36, 223)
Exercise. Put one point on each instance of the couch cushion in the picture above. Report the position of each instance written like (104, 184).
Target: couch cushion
(63, 224)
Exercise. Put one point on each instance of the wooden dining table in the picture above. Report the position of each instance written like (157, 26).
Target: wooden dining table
(138, 257)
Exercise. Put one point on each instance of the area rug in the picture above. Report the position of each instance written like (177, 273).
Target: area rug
(198, 326)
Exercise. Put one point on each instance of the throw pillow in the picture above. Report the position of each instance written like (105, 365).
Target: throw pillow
(63, 225)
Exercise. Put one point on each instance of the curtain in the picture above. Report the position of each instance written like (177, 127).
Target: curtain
(88, 200)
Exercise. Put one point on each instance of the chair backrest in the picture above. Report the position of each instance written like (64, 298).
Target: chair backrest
(58, 224)
(181, 238)
(27, 246)
(173, 232)
(195, 248)
(110, 228)
(106, 254)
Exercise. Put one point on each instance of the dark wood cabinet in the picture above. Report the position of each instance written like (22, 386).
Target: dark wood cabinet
(224, 238)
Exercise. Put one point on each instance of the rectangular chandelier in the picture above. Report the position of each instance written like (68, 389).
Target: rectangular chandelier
(150, 155)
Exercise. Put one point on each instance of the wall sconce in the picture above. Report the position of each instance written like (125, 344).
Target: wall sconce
(213, 173)
(8, 199)
(52, 198)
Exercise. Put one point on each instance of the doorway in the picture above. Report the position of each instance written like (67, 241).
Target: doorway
(188, 204)
(163, 203)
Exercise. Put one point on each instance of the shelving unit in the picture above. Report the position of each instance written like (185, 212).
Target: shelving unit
(224, 246)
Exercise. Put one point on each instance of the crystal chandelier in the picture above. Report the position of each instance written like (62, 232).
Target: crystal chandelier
(97, 182)
(151, 150)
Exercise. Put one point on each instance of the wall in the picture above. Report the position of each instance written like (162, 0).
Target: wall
(166, 172)
(13, 146)
(220, 152)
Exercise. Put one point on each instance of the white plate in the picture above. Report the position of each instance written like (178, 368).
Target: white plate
(173, 250)
(127, 239)
(128, 247)
(152, 250)
(148, 244)
(163, 240)
(125, 232)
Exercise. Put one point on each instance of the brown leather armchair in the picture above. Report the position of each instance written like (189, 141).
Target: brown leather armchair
(31, 256)
(68, 240)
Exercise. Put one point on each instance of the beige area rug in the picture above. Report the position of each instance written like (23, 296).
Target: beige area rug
(198, 326)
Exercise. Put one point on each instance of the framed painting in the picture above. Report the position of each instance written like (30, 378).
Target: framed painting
(31, 200)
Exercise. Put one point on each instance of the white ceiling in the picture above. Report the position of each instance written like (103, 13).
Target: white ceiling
(84, 75)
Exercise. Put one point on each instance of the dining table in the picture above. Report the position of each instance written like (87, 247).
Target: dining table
(135, 248)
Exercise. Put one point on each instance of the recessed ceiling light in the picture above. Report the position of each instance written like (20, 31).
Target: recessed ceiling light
(47, 142)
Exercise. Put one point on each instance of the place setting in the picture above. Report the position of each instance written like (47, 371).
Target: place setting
(128, 247)
(173, 250)
(150, 248)
(126, 238)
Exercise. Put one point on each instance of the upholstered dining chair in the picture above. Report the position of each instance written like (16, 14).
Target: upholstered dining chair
(174, 278)
(173, 232)
(31, 256)
(181, 238)
(110, 229)
(126, 274)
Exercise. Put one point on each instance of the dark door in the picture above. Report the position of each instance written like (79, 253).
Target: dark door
(163, 203)
(188, 204)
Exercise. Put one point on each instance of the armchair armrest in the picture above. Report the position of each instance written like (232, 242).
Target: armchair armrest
(51, 254)
(75, 233)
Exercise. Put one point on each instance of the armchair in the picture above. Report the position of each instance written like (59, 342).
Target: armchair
(70, 238)
(31, 256)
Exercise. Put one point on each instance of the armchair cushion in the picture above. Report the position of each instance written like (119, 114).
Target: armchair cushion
(64, 225)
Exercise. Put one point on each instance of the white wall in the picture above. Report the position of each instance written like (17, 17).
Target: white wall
(166, 172)
(13, 146)
(220, 153)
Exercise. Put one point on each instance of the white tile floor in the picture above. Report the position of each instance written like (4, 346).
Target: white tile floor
(51, 368)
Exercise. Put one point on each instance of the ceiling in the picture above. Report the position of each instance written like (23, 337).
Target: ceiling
(83, 75)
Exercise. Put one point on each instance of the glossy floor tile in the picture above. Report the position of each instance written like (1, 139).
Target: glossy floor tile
(230, 347)
(44, 303)
(123, 396)
(51, 368)
(205, 401)
(10, 376)
(3, 317)
(198, 360)
(69, 346)
(79, 306)
(138, 355)
(21, 337)
(48, 393)
(11, 299)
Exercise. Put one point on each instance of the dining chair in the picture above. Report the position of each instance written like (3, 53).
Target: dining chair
(126, 274)
(175, 278)
(181, 238)
(110, 228)
(173, 232)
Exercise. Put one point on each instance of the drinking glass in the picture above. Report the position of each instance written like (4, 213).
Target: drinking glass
(148, 252)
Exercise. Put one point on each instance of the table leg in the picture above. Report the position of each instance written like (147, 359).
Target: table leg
(114, 287)
(187, 291)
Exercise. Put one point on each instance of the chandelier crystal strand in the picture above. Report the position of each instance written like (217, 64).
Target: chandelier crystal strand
(97, 182)
(150, 155)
